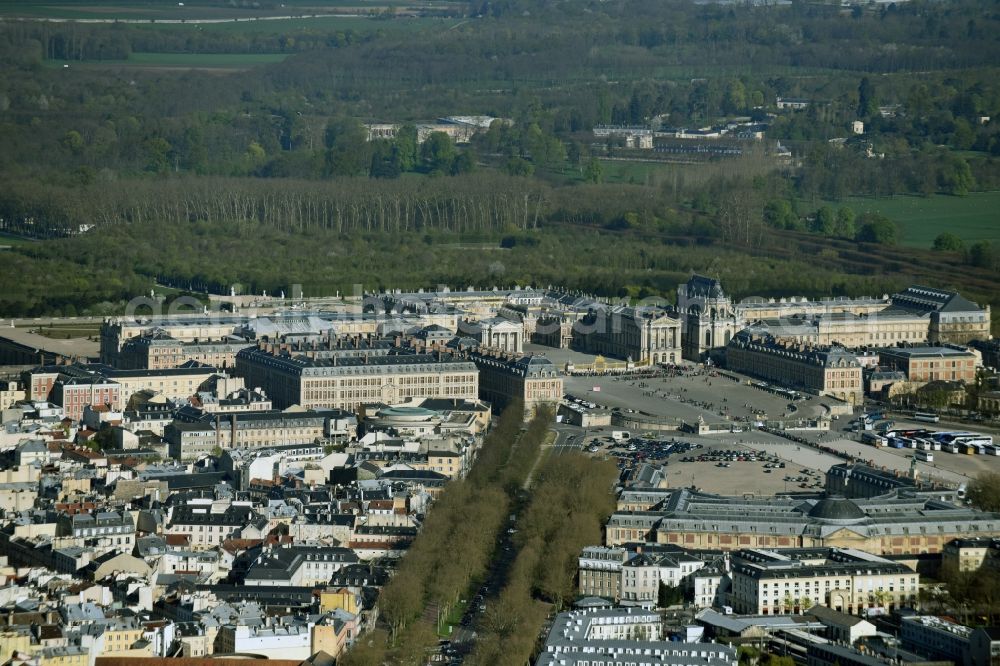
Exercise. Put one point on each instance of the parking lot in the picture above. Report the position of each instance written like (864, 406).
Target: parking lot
(716, 399)
(718, 464)
(712, 397)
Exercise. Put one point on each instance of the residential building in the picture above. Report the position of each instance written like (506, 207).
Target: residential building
(642, 575)
(622, 637)
(193, 434)
(272, 641)
(844, 579)
(101, 530)
(936, 637)
(158, 351)
(967, 554)
(298, 566)
(73, 394)
(208, 525)
(601, 571)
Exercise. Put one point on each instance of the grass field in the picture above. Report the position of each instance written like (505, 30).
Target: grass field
(66, 330)
(971, 218)
(205, 14)
(209, 61)
(10, 240)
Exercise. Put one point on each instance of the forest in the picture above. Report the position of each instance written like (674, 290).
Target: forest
(124, 177)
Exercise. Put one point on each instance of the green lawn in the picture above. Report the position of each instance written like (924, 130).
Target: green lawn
(971, 218)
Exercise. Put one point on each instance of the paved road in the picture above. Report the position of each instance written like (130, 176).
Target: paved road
(568, 438)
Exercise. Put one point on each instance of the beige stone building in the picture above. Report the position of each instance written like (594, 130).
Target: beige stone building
(642, 334)
(822, 370)
(190, 436)
(971, 554)
(928, 364)
(849, 330)
(158, 351)
(989, 402)
(710, 319)
(176, 384)
(601, 571)
(503, 378)
(893, 524)
(347, 383)
(769, 582)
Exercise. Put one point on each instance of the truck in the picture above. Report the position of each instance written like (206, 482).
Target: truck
(619, 435)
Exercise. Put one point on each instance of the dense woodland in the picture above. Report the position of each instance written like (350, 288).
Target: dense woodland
(263, 177)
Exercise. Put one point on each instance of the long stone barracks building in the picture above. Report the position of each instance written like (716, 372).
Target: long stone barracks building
(348, 382)
(829, 371)
(898, 523)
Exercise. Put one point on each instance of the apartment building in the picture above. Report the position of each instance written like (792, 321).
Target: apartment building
(642, 575)
(193, 434)
(158, 351)
(601, 571)
(623, 637)
(74, 394)
(847, 580)
(208, 526)
(971, 554)
(99, 529)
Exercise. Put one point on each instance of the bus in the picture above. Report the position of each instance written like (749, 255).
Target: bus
(978, 441)
(952, 447)
(869, 437)
(927, 417)
(991, 450)
(948, 437)
(926, 456)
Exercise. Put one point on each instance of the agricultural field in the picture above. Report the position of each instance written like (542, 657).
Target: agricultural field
(972, 218)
